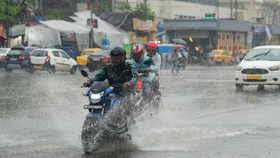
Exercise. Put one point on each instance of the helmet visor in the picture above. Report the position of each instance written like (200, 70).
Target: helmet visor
(116, 60)
(137, 56)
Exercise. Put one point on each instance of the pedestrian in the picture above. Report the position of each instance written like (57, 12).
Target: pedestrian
(174, 58)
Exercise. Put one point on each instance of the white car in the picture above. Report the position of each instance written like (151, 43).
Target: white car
(51, 60)
(261, 66)
(3, 56)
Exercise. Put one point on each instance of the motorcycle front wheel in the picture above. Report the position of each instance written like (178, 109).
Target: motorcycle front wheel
(157, 103)
(89, 131)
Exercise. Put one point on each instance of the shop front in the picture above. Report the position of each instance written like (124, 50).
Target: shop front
(205, 35)
(143, 31)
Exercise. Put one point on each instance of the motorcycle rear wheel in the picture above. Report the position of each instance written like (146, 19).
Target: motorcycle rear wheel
(89, 131)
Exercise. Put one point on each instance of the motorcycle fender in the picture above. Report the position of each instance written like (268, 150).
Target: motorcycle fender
(94, 115)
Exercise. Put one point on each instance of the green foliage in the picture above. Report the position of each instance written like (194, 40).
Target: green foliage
(102, 7)
(8, 12)
(144, 11)
(55, 14)
(124, 7)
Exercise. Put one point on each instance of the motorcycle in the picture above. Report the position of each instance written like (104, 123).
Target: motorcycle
(156, 101)
(181, 63)
(108, 115)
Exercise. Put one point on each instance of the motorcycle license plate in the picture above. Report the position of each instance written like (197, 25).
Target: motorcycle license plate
(37, 67)
(93, 106)
(256, 77)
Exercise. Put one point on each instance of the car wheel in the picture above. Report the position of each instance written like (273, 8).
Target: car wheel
(73, 70)
(90, 69)
(79, 67)
(8, 70)
(29, 68)
(260, 88)
(52, 69)
(239, 87)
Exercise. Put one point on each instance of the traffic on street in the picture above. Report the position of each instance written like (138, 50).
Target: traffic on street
(139, 79)
(202, 116)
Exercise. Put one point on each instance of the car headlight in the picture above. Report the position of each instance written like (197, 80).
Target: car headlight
(274, 68)
(238, 68)
(95, 98)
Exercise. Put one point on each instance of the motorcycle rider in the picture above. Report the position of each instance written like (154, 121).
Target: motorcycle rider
(143, 63)
(152, 49)
(113, 72)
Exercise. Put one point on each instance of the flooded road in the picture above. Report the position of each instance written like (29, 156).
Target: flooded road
(41, 115)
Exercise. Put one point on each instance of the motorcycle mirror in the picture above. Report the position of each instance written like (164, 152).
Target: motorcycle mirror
(84, 73)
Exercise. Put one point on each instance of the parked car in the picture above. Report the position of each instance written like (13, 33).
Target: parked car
(261, 66)
(3, 55)
(17, 57)
(219, 56)
(98, 59)
(51, 60)
(82, 59)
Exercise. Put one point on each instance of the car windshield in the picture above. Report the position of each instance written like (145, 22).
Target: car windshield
(28, 50)
(39, 53)
(263, 54)
(101, 53)
(3, 51)
(16, 52)
(215, 53)
(88, 52)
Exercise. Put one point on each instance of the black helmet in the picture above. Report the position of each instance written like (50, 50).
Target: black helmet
(117, 55)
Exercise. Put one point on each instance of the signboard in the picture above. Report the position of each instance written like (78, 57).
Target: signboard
(2, 37)
(210, 16)
(82, 7)
(147, 25)
(92, 23)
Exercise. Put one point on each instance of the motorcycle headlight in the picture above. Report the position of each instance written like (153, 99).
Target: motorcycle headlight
(274, 68)
(95, 98)
(238, 68)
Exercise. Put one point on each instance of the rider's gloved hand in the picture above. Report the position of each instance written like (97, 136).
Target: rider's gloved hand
(126, 84)
(86, 84)
(148, 69)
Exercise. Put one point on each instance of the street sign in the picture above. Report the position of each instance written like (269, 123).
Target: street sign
(92, 23)
(210, 16)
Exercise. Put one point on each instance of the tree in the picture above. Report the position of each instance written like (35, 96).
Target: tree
(142, 10)
(8, 11)
(101, 8)
(58, 9)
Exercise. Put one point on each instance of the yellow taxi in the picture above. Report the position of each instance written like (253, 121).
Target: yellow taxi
(220, 56)
(82, 59)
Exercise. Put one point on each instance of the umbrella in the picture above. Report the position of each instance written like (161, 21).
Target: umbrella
(178, 47)
(179, 41)
(2, 38)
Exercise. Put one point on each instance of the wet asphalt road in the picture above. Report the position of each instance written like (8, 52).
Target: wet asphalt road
(41, 115)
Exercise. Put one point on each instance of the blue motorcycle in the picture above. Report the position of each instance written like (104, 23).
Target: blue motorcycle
(107, 117)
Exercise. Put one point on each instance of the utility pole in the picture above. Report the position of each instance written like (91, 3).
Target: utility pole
(91, 35)
(217, 8)
(236, 7)
(231, 5)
